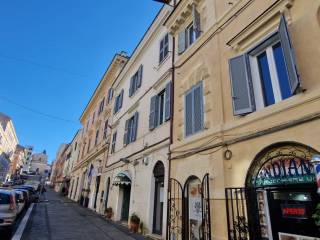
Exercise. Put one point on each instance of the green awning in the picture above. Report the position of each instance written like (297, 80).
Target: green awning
(122, 178)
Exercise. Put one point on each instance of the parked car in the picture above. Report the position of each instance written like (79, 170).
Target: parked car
(20, 200)
(26, 196)
(33, 195)
(8, 208)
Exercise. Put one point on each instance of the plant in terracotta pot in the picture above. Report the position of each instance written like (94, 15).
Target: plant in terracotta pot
(109, 213)
(316, 216)
(134, 223)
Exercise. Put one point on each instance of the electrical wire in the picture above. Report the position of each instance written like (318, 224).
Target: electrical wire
(47, 115)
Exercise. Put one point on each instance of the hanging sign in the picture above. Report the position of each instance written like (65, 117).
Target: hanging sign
(285, 171)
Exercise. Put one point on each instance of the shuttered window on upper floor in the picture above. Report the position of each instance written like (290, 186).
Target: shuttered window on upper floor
(189, 35)
(164, 48)
(110, 95)
(266, 74)
(194, 116)
(113, 144)
(160, 107)
(101, 106)
(131, 129)
(135, 81)
(118, 102)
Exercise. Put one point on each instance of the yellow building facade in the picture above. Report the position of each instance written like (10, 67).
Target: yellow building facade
(246, 119)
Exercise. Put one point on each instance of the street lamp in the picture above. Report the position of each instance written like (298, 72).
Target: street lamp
(316, 165)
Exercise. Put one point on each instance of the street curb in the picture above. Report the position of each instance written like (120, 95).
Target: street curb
(18, 234)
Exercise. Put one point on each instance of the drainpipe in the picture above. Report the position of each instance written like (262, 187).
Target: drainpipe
(171, 124)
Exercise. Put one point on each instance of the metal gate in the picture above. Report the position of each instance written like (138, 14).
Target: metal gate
(176, 221)
(242, 225)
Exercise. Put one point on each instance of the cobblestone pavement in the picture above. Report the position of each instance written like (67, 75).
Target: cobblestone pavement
(62, 219)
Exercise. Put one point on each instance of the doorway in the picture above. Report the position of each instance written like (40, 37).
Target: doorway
(158, 174)
(97, 191)
(126, 190)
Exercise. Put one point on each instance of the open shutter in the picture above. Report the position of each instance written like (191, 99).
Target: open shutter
(241, 85)
(196, 21)
(131, 86)
(168, 101)
(198, 108)
(188, 113)
(135, 127)
(125, 136)
(182, 42)
(115, 106)
(140, 74)
(152, 115)
(121, 99)
(110, 95)
(289, 55)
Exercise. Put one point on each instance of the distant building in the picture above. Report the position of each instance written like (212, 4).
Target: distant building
(39, 164)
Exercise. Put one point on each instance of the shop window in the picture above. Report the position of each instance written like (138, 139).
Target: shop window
(265, 75)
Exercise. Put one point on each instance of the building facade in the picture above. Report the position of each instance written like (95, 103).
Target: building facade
(8, 143)
(246, 119)
(57, 179)
(135, 177)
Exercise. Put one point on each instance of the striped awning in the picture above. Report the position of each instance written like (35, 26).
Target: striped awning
(122, 178)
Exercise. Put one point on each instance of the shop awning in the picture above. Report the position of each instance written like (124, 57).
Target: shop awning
(122, 178)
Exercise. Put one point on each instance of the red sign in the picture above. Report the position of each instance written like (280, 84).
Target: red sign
(293, 211)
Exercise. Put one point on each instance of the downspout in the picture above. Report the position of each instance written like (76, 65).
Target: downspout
(171, 124)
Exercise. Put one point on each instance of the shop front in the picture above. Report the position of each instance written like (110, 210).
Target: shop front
(280, 197)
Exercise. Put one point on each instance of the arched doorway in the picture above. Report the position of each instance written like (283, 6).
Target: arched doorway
(158, 174)
(193, 208)
(123, 180)
(281, 196)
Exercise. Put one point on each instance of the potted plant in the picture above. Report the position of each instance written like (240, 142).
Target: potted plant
(109, 213)
(316, 216)
(134, 223)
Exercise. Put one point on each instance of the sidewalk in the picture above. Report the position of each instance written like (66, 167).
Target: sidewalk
(62, 219)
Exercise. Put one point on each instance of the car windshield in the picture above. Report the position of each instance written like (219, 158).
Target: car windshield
(4, 198)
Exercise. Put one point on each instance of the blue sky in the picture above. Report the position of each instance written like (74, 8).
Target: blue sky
(54, 53)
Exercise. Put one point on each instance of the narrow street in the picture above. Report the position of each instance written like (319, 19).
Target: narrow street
(62, 219)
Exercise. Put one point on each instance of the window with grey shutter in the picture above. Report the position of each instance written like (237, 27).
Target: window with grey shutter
(125, 136)
(121, 99)
(289, 55)
(168, 101)
(196, 21)
(135, 127)
(152, 116)
(241, 85)
(182, 42)
(140, 75)
(131, 86)
(188, 113)
(110, 95)
(197, 108)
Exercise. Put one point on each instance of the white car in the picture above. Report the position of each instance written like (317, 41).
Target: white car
(8, 207)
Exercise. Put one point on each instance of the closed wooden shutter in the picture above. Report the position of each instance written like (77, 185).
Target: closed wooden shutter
(152, 116)
(125, 136)
(140, 75)
(131, 86)
(189, 113)
(182, 42)
(135, 127)
(289, 55)
(198, 108)
(121, 99)
(241, 85)
(168, 100)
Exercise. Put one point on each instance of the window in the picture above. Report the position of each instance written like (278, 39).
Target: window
(101, 106)
(189, 35)
(110, 95)
(131, 129)
(194, 110)
(265, 75)
(113, 144)
(118, 102)
(164, 48)
(93, 117)
(160, 107)
(135, 82)
(97, 138)
(75, 146)
(105, 131)
(89, 143)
